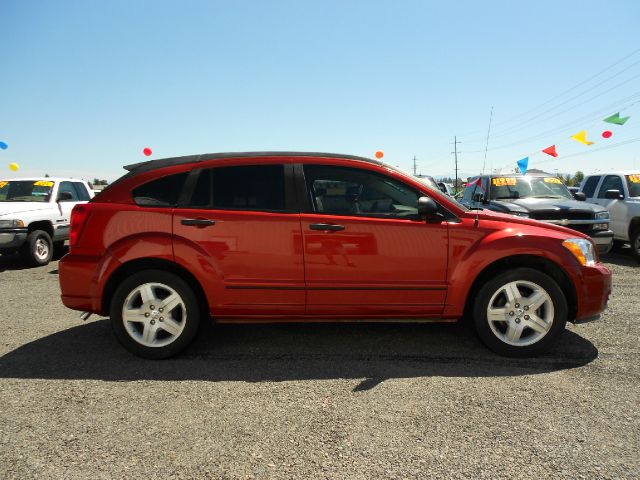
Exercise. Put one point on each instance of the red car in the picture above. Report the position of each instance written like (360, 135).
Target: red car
(266, 237)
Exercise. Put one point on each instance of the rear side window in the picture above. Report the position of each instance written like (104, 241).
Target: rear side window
(610, 182)
(163, 192)
(81, 190)
(590, 185)
(251, 187)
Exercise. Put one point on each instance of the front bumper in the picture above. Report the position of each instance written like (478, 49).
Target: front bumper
(603, 240)
(11, 238)
(596, 290)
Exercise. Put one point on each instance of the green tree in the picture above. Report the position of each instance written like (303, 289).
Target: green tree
(578, 178)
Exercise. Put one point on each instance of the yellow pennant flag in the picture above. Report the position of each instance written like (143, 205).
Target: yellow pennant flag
(582, 137)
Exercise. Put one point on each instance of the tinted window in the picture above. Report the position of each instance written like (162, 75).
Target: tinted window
(351, 191)
(590, 185)
(610, 182)
(81, 190)
(163, 192)
(255, 187)
(201, 196)
(67, 187)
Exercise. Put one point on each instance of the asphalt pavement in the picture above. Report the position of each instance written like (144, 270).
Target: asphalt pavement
(313, 401)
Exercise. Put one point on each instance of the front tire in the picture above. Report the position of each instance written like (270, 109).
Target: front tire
(37, 250)
(635, 244)
(155, 314)
(520, 313)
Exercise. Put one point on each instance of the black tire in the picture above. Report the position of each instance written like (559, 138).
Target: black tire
(634, 239)
(37, 249)
(189, 315)
(490, 288)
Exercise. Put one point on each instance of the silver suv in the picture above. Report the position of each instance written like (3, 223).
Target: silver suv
(618, 192)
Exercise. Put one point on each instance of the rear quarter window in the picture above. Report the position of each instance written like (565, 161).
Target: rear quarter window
(162, 192)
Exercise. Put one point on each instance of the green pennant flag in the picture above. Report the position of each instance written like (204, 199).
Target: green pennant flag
(615, 118)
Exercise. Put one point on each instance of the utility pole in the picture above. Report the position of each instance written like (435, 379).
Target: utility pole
(455, 153)
(415, 169)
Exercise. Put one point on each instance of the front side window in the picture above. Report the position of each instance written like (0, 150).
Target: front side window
(67, 187)
(25, 190)
(610, 182)
(251, 187)
(81, 191)
(352, 191)
(590, 185)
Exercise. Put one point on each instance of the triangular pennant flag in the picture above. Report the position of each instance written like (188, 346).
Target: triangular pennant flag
(551, 151)
(582, 137)
(523, 165)
(478, 182)
(615, 119)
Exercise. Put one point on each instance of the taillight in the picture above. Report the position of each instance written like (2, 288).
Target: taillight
(79, 216)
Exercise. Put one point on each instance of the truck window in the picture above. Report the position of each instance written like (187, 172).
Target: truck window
(590, 185)
(81, 191)
(610, 182)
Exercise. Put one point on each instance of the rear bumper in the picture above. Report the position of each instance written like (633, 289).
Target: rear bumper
(77, 282)
(603, 240)
(596, 290)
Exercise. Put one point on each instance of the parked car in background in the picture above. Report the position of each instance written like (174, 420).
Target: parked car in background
(619, 193)
(35, 215)
(541, 197)
(446, 188)
(263, 237)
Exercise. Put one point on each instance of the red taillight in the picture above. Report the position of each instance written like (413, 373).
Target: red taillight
(79, 216)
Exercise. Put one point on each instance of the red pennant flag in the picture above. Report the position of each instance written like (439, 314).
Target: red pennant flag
(478, 182)
(551, 151)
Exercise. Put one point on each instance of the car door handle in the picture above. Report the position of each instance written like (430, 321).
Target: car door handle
(197, 222)
(326, 227)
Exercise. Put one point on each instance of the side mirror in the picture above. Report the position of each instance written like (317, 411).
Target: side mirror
(65, 197)
(580, 196)
(478, 197)
(613, 195)
(428, 209)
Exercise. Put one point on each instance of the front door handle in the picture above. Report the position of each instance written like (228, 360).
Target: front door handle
(197, 222)
(326, 227)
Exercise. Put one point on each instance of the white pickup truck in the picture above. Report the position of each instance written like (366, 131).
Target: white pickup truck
(618, 192)
(35, 215)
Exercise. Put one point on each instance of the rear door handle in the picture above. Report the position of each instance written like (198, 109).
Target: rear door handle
(326, 227)
(197, 222)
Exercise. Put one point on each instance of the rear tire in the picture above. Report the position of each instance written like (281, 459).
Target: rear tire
(37, 249)
(520, 313)
(155, 314)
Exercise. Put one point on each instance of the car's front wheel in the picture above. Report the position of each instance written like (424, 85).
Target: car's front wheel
(155, 314)
(635, 243)
(520, 313)
(37, 249)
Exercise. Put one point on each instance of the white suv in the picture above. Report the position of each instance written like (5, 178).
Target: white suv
(619, 192)
(35, 215)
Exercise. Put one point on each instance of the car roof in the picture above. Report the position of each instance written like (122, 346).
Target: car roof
(616, 172)
(205, 157)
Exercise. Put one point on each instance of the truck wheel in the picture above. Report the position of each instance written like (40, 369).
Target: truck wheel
(635, 243)
(155, 314)
(520, 313)
(37, 249)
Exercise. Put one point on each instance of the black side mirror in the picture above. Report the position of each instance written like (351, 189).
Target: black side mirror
(580, 196)
(478, 197)
(65, 197)
(428, 209)
(613, 195)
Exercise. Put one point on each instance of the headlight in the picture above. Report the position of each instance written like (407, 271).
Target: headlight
(11, 224)
(601, 226)
(520, 214)
(582, 249)
(602, 215)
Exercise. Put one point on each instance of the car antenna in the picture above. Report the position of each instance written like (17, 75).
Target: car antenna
(484, 163)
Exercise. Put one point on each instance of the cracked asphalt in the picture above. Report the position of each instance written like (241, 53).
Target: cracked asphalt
(313, 401)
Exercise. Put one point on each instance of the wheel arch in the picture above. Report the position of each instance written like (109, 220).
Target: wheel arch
(542, 264)
(44, 225)
(138, 265)
(634, 225)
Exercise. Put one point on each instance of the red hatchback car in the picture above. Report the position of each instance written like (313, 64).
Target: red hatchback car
(285, 236)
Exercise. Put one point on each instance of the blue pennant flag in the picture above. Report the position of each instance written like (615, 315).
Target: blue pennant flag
(523, 165)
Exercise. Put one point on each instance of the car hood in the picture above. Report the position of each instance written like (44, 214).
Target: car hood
(9, 209)
(491, 215)
(532, 203)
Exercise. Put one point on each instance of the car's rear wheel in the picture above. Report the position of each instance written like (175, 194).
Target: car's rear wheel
(155, 314)
(520, 313)
(37, 249)
(635, 244)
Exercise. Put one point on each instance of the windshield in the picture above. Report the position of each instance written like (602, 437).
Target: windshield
(25, 190)
(528, 187)
(633, 182)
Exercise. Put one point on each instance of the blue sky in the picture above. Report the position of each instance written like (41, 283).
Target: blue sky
(86, 85)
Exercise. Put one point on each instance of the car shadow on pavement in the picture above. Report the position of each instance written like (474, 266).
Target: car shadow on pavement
(255, 353)
(621, 257)
(16, 262)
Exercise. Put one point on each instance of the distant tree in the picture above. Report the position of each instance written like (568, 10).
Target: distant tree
(567, 179)
(578, 178)
(46, 175)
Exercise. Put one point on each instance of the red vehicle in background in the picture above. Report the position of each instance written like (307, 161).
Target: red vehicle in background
(271, 237)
